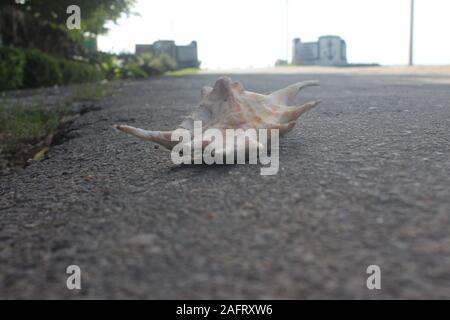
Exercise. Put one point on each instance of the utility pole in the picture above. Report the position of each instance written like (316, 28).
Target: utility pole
(287, 31)
(411, 36)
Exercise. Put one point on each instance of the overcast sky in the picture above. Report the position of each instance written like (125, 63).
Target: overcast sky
(253, 33)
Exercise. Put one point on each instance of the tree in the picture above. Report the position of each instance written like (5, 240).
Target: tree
(42, 23)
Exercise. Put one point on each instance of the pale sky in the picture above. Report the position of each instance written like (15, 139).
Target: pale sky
(253, 33)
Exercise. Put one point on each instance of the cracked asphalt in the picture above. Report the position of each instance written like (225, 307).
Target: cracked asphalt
(364, 180)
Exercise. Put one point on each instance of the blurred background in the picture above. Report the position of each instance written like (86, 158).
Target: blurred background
(255, 33)
(135, 38)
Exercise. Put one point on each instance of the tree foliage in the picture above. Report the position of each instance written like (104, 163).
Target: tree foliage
(95, 13)
(42, 23)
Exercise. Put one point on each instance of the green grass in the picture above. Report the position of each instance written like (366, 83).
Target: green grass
(182, 72)
(93, 91)
(22, 128)
(22, 123)
(26, 131)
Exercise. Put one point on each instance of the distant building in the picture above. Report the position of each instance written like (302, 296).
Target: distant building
(185, 56)
(327, 51)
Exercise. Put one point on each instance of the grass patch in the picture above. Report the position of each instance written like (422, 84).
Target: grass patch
(181, 72)
(93, 91)
(24, 130)
(26, 122)
(28, 130)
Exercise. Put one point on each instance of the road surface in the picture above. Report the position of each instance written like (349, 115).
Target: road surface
(364, 180)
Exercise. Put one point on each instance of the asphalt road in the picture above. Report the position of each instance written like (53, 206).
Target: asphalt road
(364, 180)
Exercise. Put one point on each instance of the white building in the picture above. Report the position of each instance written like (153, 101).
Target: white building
(327, 51)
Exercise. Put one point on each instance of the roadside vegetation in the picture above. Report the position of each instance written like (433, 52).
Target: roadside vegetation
(38, 50)
(181, 72)
(93, 91)
(25, 131)
(28, 130)
(31, 68)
